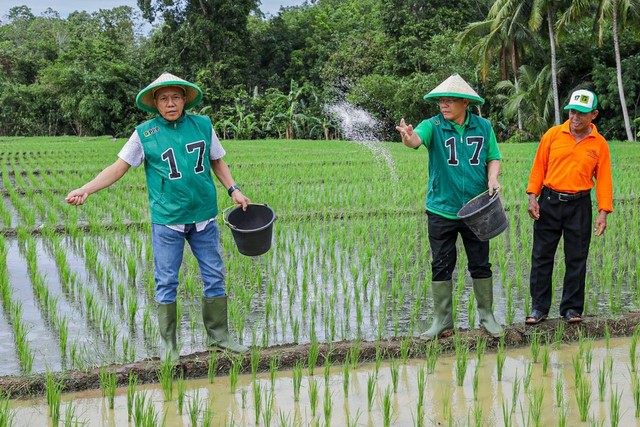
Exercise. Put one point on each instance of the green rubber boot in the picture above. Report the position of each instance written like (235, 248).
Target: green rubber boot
(442, 316)
(214, 316)
(483, 289)
(167, 325)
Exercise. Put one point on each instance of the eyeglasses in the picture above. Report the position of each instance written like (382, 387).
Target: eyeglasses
(447, 101)
(165, 99)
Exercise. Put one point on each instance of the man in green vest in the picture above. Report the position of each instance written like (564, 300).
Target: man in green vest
(464, 161)
(179, 151)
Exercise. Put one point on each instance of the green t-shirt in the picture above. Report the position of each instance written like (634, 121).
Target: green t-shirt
(458, 157)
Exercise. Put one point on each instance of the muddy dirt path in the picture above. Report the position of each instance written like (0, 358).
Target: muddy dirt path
(196, 365)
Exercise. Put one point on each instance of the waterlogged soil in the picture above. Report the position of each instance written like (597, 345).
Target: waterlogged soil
(196, 365)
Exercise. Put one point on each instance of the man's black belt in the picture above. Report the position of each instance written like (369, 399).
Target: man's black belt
(567, 197)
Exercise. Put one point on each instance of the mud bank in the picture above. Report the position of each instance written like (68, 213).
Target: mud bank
(197, 365)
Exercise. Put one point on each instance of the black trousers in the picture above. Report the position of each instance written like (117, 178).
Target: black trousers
(443, 233)
(571, 220)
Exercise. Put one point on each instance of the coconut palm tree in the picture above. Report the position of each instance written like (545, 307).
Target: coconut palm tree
(506, 34)
(531, 97)
(547, 10)
(621, 13)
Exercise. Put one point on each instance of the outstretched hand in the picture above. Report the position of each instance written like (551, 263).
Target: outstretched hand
(77, 197)
(406, 130)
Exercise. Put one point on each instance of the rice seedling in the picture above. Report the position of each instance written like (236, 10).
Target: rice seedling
(354, 354)
(422, 383)
(481, 348)
(394, 370)
(213, 366)
(507, 414)
(633, 347)
(53, 393)
(562, 416)
(546, 359)
(635, 393)
(313, 396)
(314, 350)
(602, 380)
(405, 346)
(371, 388)
(131, 389)
(353, 422)
(234, 372)
(327, 406)
(535, 346)
(614, 406)
(108, 385)
(446, 404)
(257, 400)
(194, 408)
(535, 406)
(165, 378)
(462, 359)
(274, 363)
(501, 357)
(386, 408)
(181, 389)
(267, 414)
(297, 380)
(526, 380)
(515, 391)
(7, 415)
(583, 398)
(207, 414)
(587, 354)
(70, 419)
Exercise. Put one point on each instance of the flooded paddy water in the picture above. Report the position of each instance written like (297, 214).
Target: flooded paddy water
(349, 264)
(402, 393)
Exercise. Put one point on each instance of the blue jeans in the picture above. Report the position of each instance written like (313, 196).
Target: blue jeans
(168, 248)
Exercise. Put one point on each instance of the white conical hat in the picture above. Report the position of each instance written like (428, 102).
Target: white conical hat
(454, 87)
(193, 94)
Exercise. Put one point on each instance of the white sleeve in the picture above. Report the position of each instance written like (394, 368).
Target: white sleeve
(216, 152)
(132, 151)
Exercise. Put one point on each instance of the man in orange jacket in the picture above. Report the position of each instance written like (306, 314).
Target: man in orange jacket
(569, 158)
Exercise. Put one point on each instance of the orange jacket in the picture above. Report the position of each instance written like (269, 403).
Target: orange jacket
(565, 166)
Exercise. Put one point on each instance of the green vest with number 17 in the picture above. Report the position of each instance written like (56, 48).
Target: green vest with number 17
(178, 169)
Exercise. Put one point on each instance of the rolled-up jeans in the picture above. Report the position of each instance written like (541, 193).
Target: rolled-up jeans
(168, 249)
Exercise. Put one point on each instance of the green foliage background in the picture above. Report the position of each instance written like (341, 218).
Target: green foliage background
(271, 77)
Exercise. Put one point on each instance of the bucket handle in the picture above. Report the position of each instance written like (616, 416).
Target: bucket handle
(224, 213)
(495, 194)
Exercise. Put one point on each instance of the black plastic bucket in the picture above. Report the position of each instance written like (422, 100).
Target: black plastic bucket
(484, 215)
(252, 229)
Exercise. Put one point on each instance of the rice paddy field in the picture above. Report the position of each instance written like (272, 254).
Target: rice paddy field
(349, 261)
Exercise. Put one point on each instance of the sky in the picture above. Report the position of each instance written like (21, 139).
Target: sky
(64, 7)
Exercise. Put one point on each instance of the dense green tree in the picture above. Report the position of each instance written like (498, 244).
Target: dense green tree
(204, 41)
(410, 25)
(613, 15)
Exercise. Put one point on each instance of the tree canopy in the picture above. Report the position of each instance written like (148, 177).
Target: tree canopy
(274, 76)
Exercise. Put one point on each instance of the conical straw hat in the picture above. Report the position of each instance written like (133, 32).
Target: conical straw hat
(454, 87)
(193, 94)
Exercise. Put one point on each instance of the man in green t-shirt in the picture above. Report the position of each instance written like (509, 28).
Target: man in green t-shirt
(464, 161)
(179, 151)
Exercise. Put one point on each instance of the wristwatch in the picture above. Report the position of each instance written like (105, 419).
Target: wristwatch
(231, 189)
